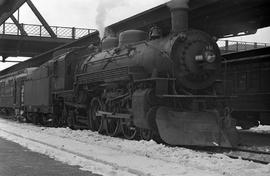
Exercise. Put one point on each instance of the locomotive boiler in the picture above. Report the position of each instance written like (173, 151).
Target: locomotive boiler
(155, 85)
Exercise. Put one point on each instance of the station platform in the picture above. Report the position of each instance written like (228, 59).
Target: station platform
(16, 160)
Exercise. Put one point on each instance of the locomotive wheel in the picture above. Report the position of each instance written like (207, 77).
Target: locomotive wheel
(90, 120)
(70, 119)
(44, 120)
(96, 122)
(52, 120)
(113, 124)
(28, 117)
(128, 130)
(112, 127)
(64, 116)
(146, 134)
(35, 118)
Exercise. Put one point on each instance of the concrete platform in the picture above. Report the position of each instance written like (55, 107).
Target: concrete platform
(18, 161)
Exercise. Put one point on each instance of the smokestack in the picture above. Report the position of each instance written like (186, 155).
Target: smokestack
(179, 15)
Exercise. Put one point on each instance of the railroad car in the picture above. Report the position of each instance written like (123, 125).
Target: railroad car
(247, 74)
(12, 91)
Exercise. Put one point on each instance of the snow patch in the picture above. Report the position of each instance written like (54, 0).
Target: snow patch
(114, 156)
(261, 129)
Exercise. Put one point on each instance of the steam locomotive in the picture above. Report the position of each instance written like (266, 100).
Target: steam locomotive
(138, 84)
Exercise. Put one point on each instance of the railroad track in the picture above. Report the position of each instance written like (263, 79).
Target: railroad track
(255, 156)
(242, 152)
(250, 155)
(253, 146)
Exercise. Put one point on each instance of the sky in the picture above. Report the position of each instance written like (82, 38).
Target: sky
(97, 14)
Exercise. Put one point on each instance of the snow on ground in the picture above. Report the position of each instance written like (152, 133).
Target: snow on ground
(114, 156)
(261, 129)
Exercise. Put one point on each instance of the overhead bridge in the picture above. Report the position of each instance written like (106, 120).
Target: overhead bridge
(28, 40)
(32, 40)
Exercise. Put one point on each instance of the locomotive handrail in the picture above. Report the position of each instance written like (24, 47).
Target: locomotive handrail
(154, 78)
(196, 96)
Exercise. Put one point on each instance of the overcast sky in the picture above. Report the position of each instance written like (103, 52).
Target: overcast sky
(85, 14)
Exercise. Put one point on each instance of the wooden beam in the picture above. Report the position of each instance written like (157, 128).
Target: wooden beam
(41, 19)
(23, 32)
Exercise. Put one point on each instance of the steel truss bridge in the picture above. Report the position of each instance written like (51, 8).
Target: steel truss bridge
(28, 40)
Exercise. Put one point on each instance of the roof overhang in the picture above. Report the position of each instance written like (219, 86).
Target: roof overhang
(217, 17)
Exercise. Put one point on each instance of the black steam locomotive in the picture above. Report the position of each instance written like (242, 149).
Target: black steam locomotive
(139, 83)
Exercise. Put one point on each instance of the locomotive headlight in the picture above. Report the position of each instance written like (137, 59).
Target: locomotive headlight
(210, 57)
(199, 58)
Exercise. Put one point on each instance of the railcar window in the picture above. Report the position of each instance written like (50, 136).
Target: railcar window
(22, 94)
(69, 69)
(7, 88)
(3, 88)
(242, 81)
(253, 80)
(11, 87)
(265, 80)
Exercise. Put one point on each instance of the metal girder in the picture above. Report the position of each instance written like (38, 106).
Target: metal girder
(28, 46)
(8, 8)
(36, 61)
(41, 19)
(18, 25)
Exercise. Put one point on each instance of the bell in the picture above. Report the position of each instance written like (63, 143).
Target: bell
(155, 33)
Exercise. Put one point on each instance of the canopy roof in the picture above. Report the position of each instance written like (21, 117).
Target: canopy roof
(217, 17)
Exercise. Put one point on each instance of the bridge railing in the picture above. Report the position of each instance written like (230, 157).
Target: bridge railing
(40, 31)
(230, 46)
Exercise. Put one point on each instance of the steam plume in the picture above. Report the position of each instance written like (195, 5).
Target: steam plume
(103, 8)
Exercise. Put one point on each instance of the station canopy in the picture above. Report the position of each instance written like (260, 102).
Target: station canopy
(217, 17)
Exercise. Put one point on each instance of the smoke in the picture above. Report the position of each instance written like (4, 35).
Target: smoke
(2, 2)
(103, 8)
(178, 4)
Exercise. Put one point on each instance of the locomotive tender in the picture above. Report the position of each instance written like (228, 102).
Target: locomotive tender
(138, 83)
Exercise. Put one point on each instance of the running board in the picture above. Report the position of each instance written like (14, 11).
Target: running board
(113, 115)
